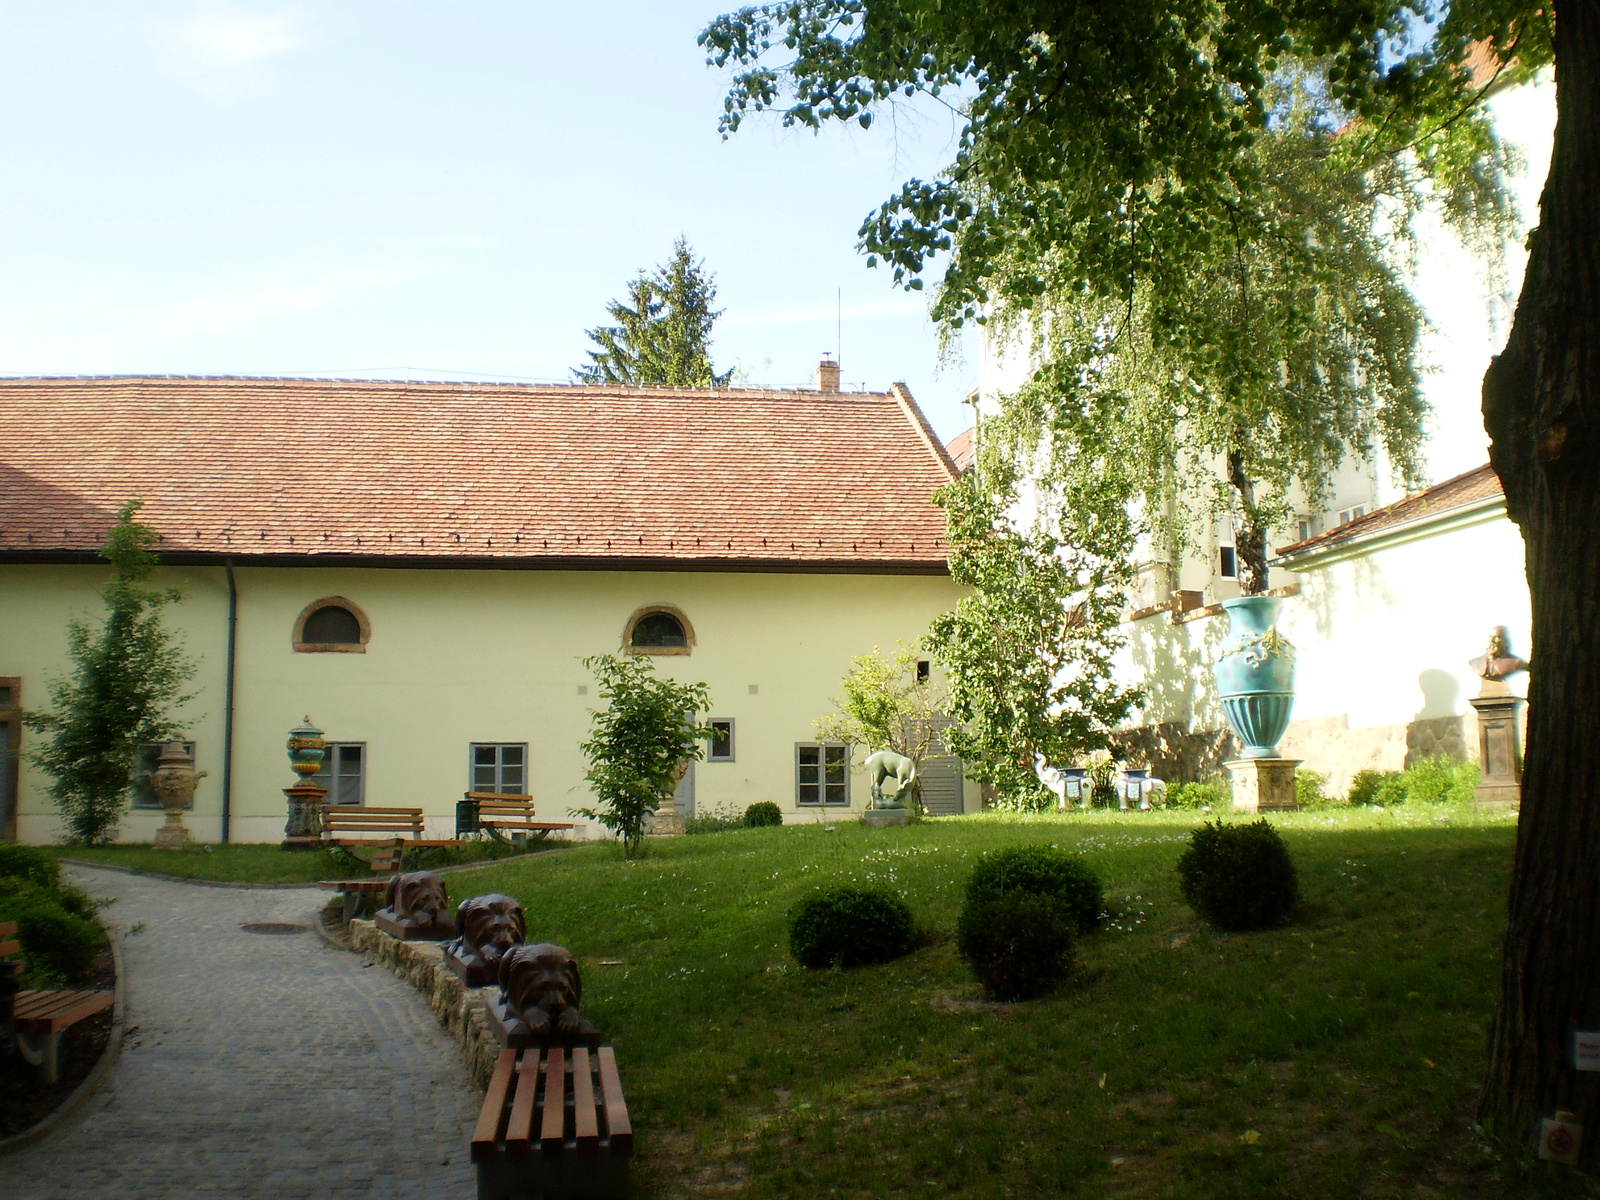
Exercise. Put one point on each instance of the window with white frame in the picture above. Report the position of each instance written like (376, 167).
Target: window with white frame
(1346, 515)
(500, 767)
(344, 773)
(721, 748)
(144, 796)
(822, 775)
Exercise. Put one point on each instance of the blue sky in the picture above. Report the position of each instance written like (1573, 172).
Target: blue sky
(453, 190)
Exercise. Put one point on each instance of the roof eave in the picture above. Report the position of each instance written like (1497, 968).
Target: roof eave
(1475, 512)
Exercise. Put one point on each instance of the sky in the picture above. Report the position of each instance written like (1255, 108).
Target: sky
(426, 190)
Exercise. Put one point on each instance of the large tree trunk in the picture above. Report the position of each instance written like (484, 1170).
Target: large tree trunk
(1249, 539)
(1541, 406)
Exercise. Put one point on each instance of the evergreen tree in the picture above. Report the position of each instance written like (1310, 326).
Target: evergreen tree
(662, 335)
(126, 676)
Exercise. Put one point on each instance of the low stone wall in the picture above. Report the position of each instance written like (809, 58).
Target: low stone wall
(459, 1008)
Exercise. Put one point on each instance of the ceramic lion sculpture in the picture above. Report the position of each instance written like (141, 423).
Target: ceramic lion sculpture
(487, 928)
(541, 983)
(417, 901)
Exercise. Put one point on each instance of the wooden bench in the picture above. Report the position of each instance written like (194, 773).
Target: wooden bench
(37, 1019)
(355, 892)
(498, 814)
(387, 833)
(554, 1123)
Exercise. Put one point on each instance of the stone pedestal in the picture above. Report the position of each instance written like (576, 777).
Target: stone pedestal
(1262, 784)
(1499, 747)
(665, 822)
(303, 830)
(877, 818)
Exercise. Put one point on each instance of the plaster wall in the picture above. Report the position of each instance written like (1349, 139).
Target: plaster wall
(457, 657)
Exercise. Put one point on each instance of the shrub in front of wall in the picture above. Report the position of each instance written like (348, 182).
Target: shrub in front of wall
(1045, 871)
(850, 927)
(1365, 786)
(30, 863)
(1199, 795)
(763, 812)
(1308, 788)
(1238, 877)
(1019, 944)
(1440, 780)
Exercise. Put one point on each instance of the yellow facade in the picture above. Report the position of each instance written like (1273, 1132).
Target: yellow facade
(458, 657)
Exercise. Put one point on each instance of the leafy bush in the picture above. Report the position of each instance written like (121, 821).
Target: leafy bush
(1042, 871)
(763, 812)
(1308, 791)
(1214, 792)
(59, 935)
(30, 863)
(1019, 944)
(1238, 877)
(850, 927)
(1365, 785)
(1440, 780)
(1391, 791)
(713, 823)
(1029, 795)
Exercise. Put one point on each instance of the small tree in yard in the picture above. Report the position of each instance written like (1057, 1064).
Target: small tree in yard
(641, 742)
(883, 705)
(127, 676)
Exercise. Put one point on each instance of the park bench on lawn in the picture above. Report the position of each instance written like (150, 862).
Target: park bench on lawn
(35, 1020)
(386, 833)
(498, 814)
(554, 1123)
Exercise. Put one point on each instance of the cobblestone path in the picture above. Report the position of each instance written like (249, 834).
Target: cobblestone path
(257, 1065)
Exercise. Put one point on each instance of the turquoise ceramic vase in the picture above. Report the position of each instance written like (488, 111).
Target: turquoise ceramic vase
(1255, 675)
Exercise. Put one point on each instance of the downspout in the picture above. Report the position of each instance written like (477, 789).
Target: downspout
(227, 716)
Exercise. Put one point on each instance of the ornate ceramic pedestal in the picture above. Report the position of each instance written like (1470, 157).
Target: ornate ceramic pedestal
(303, 830)
(1499, 747)
(173, 782)
(1262, 784)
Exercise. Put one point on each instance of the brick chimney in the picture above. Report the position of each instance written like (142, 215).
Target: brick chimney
(828, 376)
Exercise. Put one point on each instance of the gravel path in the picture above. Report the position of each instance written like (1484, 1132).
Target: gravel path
(257, 1065)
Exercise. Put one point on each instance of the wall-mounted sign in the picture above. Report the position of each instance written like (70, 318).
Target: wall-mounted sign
(1586, 1050)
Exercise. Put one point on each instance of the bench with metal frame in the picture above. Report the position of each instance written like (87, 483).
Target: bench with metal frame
(386, 833)
(499, 814)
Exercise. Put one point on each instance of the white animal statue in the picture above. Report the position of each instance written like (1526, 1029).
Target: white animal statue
(1052, 778)
(886, 764)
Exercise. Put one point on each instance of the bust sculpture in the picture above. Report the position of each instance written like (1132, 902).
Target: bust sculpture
(1497, 661)
(415, 908)
(487, 928)
(541, 986)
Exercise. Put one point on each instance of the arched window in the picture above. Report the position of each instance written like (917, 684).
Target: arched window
(659, 629)
(332, 625)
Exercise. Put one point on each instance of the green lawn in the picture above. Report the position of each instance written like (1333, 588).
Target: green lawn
(1336, 1057)
(246, 863)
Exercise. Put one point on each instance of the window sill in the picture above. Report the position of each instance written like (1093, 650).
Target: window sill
(329, 648)
(659, 650)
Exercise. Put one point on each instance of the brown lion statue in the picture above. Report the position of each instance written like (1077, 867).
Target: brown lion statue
(541, 983)
(487, 928)
(416, 905)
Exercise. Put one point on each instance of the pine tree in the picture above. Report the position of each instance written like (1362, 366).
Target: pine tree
(662, 335)
(127, 676)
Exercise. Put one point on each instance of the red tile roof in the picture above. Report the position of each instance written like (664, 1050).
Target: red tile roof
(444, 473)
(1471, 487)
(963, 448)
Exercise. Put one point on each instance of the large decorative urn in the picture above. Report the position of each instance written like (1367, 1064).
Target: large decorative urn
(1255, 680)
(173, 781)
(303, 830)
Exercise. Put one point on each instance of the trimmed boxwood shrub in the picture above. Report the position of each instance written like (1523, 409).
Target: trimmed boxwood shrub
(30, 863)
(1044, 871)
(1019, 944)
(59, 935)
(850, 927)
(1238, 877)
(763, 812)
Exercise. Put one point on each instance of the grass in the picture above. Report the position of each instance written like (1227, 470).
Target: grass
(1336, 1057)
(252, 863)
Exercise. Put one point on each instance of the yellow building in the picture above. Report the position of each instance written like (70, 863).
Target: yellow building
(422, 567)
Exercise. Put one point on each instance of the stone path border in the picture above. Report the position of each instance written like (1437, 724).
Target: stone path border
(70, 1107)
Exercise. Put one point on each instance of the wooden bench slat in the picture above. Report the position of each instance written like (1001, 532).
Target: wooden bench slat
(7, 949)
(585, 1121)
(617, 1123)
(553, 1129)
(519, 1130)
(8, 928)
(46, 1012)
(487, 1134)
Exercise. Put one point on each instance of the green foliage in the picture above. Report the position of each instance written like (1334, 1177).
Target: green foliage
(882, 705)
(1214, 792)
(1308, 791)
(30, 863)
(763, 813)
(1238, 877)
(662, 335)
(850, 926)
(1440, 780)
(1041, 870)
(56, 926)
(127, 676)
(1028, 651)
(639, 743)
(1018, 943)
(1024, 796)
(1365, 786)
